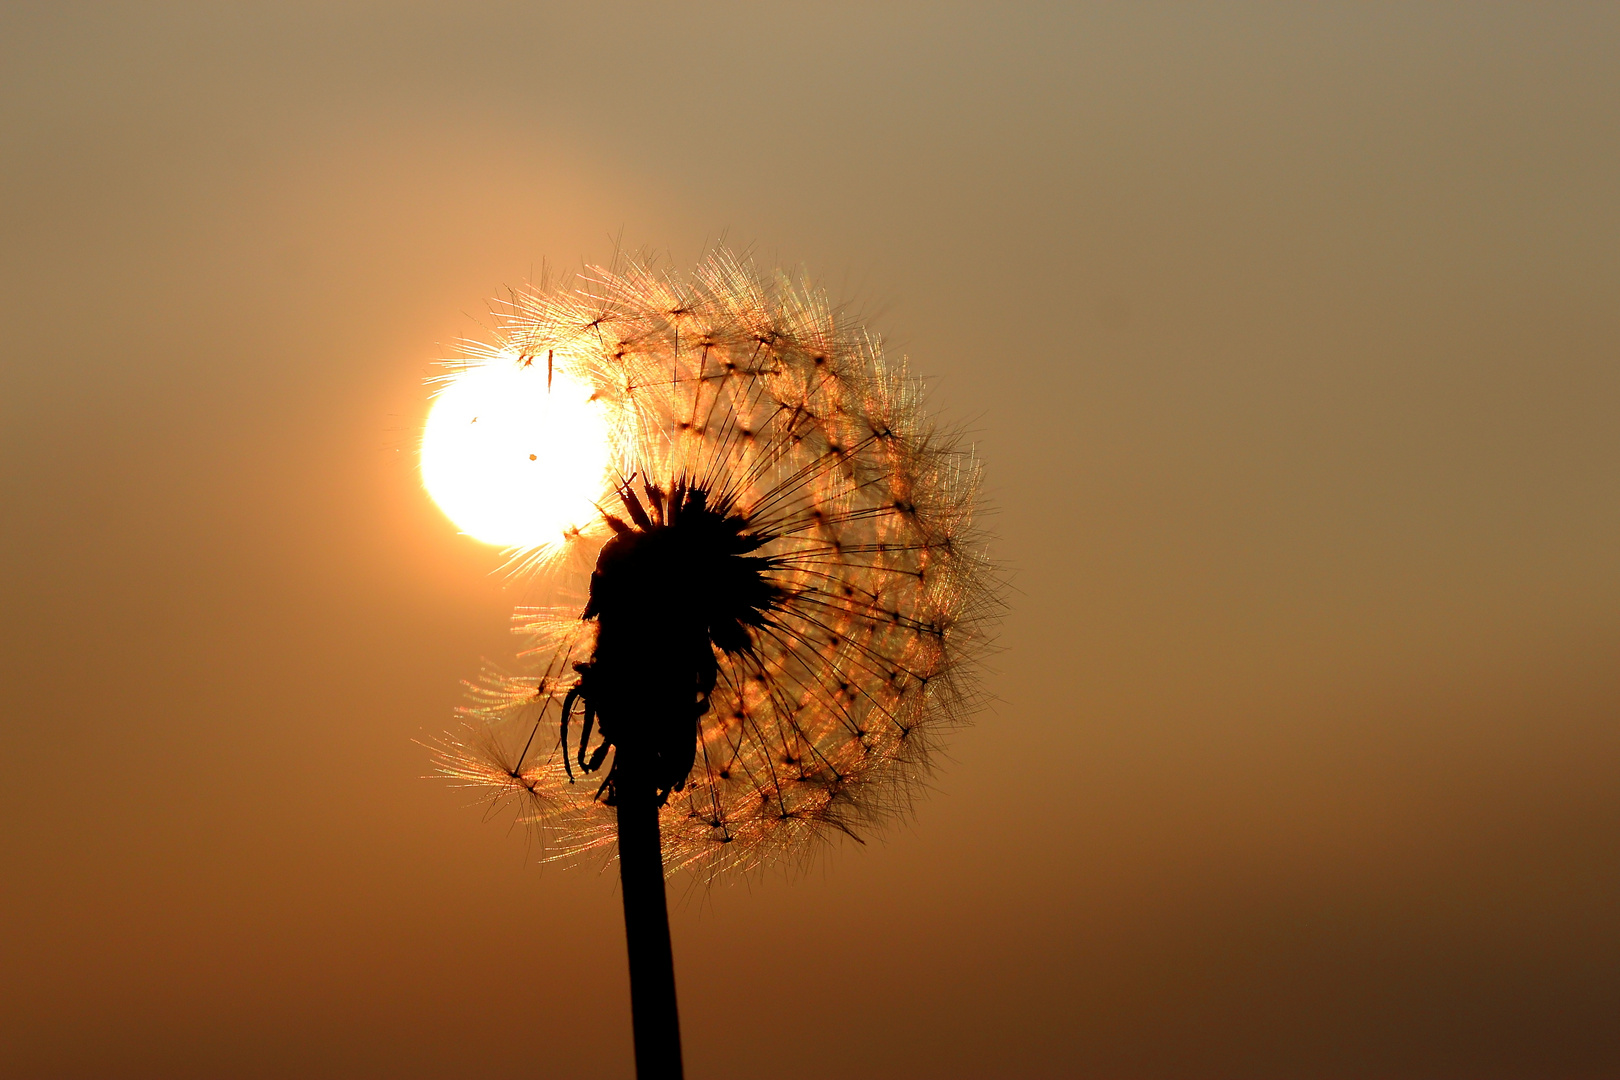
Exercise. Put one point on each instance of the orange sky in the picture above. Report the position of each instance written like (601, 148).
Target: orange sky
(1288, 336)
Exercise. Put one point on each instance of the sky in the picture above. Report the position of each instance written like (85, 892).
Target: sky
(1287, 335)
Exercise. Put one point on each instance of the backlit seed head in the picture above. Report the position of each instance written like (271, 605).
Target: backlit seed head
(839, 593)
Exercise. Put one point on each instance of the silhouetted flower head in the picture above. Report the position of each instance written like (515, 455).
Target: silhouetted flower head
(782, 594)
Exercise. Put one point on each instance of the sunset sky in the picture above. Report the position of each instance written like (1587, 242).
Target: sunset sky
(1289, 337)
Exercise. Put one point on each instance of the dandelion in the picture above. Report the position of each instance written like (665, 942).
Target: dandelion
(785, 591)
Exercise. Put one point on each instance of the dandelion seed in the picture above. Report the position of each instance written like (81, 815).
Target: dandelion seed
(785, 593)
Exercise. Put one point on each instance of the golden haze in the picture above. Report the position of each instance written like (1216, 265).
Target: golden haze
(1289, 337)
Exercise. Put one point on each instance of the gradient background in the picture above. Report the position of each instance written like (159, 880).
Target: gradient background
(1288, 333)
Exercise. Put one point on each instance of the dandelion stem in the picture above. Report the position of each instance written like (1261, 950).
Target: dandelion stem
(653, 1015)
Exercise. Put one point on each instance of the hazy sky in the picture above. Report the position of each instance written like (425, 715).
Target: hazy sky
(1288, 335)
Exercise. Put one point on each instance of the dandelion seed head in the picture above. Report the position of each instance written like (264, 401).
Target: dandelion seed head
(782, 499)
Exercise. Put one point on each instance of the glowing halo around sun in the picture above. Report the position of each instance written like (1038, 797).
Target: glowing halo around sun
(515, 454)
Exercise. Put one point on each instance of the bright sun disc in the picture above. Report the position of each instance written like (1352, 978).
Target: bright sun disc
(513, 460)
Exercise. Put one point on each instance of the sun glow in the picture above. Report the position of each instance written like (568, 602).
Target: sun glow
(516, 454)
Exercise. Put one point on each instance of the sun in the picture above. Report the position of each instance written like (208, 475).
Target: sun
(516, 453)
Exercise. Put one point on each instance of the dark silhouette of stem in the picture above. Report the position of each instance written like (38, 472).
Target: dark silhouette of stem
(653, 1014)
